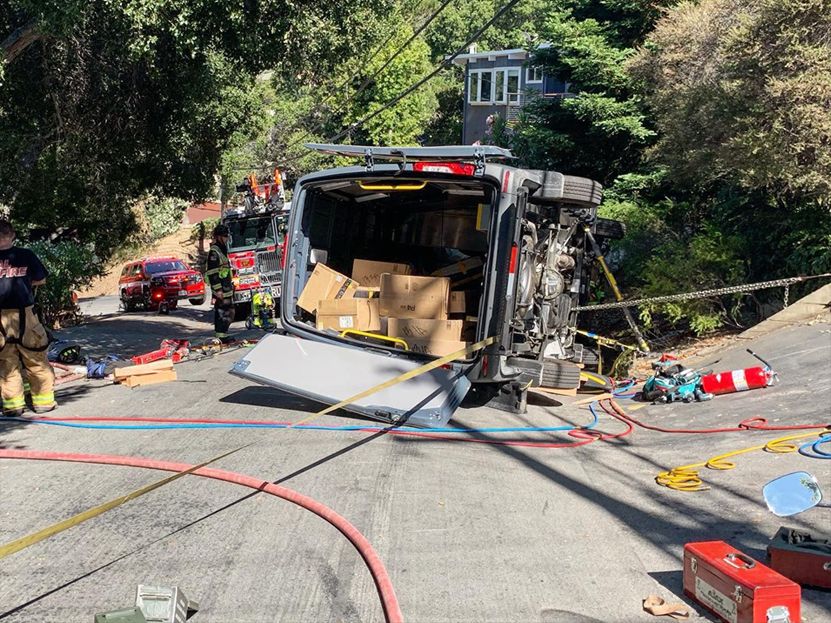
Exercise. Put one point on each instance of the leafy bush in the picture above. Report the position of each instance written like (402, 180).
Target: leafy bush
(164, 215)
(71, 266)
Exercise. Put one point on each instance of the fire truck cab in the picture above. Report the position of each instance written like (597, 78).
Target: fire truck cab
(257, 224)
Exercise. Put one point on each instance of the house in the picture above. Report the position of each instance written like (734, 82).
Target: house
(499, 82)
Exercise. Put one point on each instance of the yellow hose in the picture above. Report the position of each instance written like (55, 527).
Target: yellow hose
(686, 478)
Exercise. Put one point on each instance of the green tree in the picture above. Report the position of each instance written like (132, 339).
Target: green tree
(403, 123)
(740, 91)
(600, 130)
(103, 102)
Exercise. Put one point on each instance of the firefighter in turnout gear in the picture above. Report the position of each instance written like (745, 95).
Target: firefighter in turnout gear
(23, 340)
(218, 275)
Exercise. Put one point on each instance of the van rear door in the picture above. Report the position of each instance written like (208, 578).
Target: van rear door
(329, 373)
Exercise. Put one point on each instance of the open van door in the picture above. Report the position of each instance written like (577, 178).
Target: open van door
(329, 373)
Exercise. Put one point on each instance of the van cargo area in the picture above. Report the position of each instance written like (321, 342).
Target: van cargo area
(396, 262)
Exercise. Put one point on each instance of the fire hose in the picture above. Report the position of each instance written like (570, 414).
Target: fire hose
(383, 584)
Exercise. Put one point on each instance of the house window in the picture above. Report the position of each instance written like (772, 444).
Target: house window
(486, 86)
(473, 88)
(533, 74)
(494, 86)
(512, 79)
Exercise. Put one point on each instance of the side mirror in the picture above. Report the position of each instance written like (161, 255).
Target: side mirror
(792, 494)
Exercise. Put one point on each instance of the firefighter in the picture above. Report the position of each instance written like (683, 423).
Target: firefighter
(23, 339)
(218, 275)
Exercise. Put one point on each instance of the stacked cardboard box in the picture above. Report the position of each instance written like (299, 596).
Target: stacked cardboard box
(385, 298)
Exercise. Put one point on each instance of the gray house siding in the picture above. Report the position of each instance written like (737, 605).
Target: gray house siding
(498, 90)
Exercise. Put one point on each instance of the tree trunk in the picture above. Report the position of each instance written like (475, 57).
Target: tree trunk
(19, 40)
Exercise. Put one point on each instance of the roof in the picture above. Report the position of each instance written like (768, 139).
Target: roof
(492, 55)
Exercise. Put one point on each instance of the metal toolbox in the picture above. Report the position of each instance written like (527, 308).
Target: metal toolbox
(803, 558)
(736, 587)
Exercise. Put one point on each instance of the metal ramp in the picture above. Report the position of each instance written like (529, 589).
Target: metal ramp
(328, 373)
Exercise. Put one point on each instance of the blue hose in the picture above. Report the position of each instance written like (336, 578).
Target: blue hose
(174, 426)
(815, 452)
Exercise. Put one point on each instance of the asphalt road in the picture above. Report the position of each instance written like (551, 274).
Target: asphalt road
(467, 531)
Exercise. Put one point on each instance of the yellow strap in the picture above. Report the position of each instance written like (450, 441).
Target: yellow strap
(23, 542)
(377, 336)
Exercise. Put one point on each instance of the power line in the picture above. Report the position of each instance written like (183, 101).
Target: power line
(403, 47)
(444, 64)
(366, 62)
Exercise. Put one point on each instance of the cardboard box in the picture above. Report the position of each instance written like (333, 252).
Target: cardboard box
(353, 313)
(421, 328)
(457, 303)
(406, 296)
(459, 268)
(325, 284)
(368, 272)
(365, 292)
(436, 348)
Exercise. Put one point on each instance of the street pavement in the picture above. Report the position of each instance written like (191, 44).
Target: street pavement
(468, 531)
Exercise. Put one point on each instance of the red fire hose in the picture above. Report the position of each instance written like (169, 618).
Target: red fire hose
(389, 602)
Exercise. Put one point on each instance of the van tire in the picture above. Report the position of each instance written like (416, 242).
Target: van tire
(582, 191)
(560, 374)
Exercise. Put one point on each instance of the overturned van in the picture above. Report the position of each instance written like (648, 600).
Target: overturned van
(419, 253)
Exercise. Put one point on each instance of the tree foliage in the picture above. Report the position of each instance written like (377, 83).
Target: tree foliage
(741, 91)
(600, 130)
(115, 100)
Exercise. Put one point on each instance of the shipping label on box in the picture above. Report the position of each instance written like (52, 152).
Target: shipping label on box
(421, 328)
(436, 348)
(406, 296)
(353, 313)
(325, 284)
(368, 272)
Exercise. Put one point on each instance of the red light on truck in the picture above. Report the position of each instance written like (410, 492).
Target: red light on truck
(455, 168)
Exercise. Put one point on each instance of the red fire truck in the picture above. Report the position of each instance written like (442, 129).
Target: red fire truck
(256, 247)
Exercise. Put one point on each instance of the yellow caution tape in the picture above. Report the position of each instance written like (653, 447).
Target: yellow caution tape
(36, 537)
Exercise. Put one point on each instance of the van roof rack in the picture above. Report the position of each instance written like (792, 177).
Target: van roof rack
(469, 153)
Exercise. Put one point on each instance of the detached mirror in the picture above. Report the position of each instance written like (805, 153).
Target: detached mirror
(792, 493)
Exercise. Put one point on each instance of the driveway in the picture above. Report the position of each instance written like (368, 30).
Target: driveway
(468, 530)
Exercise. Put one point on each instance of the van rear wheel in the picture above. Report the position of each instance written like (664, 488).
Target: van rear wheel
(559, 374)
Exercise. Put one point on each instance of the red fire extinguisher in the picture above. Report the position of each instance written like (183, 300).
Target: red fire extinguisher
(739, 380)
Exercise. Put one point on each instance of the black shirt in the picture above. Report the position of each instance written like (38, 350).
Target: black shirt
(18, 269)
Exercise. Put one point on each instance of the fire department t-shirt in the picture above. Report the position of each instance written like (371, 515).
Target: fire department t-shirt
(18, 269)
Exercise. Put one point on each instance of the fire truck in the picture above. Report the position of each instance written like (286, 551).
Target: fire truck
(256, 249)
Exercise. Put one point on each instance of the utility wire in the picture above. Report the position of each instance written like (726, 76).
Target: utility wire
(336, 88)
(402, 48)
(444, 64)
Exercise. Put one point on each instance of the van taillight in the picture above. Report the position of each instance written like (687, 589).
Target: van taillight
(455, 168)
(283, 252)
(514, 257)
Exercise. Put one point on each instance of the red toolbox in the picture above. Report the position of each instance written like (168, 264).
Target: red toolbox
(736, 587)
(803, 558)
